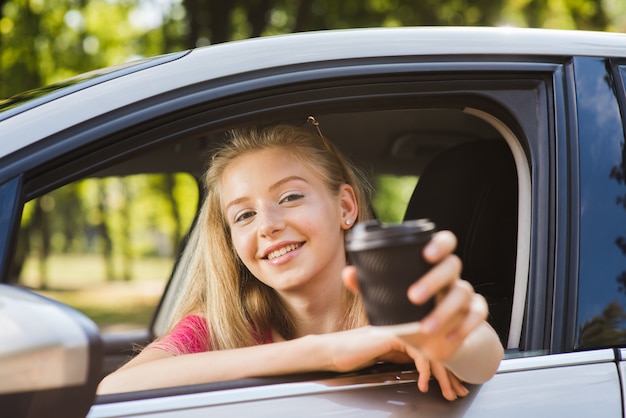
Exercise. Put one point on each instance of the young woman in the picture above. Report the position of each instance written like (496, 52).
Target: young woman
(266, 290)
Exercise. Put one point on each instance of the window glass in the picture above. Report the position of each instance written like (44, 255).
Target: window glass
(392, 196)
(106, 246)
(602, 272)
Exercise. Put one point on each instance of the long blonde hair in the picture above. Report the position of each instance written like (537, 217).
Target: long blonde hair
(238, 307)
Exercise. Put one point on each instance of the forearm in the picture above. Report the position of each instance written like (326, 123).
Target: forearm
(478, 358)
(295, 356)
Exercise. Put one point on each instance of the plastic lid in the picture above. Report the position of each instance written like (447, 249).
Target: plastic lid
(374, 234)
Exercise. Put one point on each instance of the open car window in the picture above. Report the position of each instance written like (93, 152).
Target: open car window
(106, 245)
(456, 167)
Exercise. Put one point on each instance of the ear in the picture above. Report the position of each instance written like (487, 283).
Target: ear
(348, 206)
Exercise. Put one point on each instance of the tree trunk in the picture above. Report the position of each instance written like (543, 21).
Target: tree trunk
(194, 22)
(219, 20)
(257, 16)
(103, 230)
(41, 218)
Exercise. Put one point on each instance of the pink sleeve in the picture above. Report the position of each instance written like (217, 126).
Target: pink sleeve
(190, 335)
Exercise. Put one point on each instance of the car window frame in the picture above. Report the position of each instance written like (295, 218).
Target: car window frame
(75, 152)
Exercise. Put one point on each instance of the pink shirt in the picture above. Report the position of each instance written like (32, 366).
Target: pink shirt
(191, 335)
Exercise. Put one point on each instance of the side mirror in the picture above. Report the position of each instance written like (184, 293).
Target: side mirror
(50, 357)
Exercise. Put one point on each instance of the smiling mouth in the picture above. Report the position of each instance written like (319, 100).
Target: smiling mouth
(283, 251)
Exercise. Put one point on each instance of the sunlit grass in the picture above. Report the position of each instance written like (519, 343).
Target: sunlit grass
(80, 281)
(121, 306)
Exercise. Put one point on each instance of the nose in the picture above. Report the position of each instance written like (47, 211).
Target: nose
(270, 221)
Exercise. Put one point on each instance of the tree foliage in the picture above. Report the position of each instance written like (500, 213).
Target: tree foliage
(44, 41)
(120, 218)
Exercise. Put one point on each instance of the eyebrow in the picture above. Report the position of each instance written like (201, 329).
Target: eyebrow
(271, 188)
(286, 180)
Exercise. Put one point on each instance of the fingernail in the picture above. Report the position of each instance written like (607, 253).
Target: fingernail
(418, 293)
(431, 251)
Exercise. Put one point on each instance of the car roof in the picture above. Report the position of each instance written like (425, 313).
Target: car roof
(239, 57)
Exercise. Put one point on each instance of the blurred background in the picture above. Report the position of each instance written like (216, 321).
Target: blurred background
(45, 41)
(107, 245)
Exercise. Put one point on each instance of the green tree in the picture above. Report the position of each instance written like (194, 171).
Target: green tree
(43, 42)
(216, 21)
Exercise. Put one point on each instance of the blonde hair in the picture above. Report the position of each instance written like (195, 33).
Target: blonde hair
(239, 308)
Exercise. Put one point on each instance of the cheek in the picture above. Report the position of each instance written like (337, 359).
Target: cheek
(244, 245)
(321, 224)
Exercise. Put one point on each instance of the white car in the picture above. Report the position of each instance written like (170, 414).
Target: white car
(517, 136)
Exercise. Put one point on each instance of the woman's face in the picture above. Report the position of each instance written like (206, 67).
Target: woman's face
(285, 224)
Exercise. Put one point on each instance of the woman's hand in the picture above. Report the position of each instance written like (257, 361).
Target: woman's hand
(451, 386)
(458, 312)
(361, 347)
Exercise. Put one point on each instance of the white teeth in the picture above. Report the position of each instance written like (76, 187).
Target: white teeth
(282, 251)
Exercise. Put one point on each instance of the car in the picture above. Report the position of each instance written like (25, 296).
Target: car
(516, 137)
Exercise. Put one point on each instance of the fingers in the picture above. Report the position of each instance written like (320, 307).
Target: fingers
(443, 378)
(455, 317)
(452, 309)
(458, 386)
(435, 280)
(458, 312)
(476, 315)
(451, 386)
(348, 275)
(423, 369)
(441, 245)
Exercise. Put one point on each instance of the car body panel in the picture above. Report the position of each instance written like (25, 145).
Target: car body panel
(543, 386)
(33, 98)
(258, 54)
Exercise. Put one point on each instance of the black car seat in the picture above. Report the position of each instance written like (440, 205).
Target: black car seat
(471, 189)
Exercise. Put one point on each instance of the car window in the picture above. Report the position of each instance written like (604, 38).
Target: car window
(106, 245)
(397, 165)
(602, 273)
(392, 195)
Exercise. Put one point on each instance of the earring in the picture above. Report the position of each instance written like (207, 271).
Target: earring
(348, 221)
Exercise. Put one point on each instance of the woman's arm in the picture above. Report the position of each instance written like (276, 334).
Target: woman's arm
(478, 358)
(341, 351)
(155, 368)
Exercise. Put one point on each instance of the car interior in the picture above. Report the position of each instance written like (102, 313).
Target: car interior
(467, 183)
